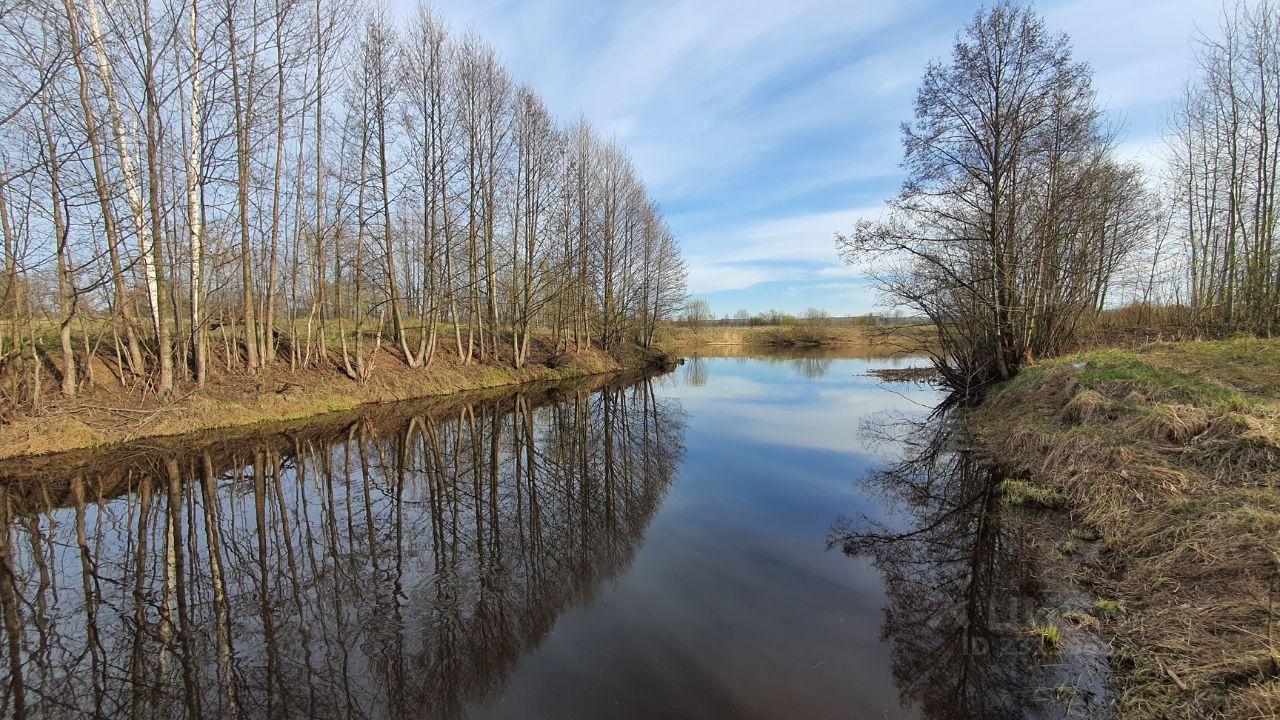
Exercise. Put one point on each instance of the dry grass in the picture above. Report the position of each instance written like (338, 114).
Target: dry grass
(1087, 406)
(35, 483)
(1172, 453)
(1176, 423)
(683, 338)
(1021, 492)
(907, 374)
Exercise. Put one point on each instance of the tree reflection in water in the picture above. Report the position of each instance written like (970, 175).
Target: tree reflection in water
(961, 578)
(813, 365)
(389, 568)
(812, 368)
(696, 371)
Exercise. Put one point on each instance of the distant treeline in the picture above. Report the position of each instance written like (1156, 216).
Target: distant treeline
(699, 316)
(305, 182)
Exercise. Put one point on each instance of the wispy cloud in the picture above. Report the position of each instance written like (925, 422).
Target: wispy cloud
(793, 249)
(765, 127)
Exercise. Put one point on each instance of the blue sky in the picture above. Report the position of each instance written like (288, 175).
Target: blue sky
(764, 127)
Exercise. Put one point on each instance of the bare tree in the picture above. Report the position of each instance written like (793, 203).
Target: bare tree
(1005, 232)
(256, 174)
(1225, 163)
(195, 197)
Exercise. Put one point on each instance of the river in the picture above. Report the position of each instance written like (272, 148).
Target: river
(631, 547)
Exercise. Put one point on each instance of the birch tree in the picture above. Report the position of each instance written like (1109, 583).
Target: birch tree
(193, 189)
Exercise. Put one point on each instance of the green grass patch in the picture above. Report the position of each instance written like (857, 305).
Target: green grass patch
(1120, 369)
(1050, 636)
(1105, 608)
(1255, 520)
(1026, 377)
(493, 376)
(1250, 365)
(1068, 546)
(1021, 492)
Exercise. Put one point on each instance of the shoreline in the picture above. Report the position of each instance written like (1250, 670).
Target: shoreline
(1170, 454)
(109, 415)
(799, 337)
(277, 395)
(34, 481)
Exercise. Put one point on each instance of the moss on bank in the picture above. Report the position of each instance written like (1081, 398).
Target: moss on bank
(109, 414)
(1172, 453)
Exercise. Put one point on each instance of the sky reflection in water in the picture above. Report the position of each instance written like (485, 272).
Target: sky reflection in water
(620, 549)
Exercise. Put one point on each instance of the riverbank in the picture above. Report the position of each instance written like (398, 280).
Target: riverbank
(33, 483)
(1171, 453)
(109, 414)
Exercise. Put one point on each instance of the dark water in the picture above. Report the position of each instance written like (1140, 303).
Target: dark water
(624, 548)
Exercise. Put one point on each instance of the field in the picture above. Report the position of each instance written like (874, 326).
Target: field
(682, 338)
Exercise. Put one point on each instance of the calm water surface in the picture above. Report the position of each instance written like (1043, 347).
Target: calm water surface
(627, 548)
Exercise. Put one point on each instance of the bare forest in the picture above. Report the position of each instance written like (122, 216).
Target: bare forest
(227, 185)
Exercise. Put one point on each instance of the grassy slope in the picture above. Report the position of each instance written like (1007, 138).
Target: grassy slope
(1172, 453)
(109, 414)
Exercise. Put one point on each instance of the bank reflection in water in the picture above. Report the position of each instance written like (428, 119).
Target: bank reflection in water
(962, 579)
(389, 568)
(810, 365)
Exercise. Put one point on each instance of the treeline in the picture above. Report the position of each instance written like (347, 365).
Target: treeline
(1225, 173)
(1019, 223)
(698, 314)
(303, 182)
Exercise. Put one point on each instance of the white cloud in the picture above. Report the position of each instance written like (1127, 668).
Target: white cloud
(765, 127)
(696, 88)
(809, 237)
(783, 249)
(717, 277)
